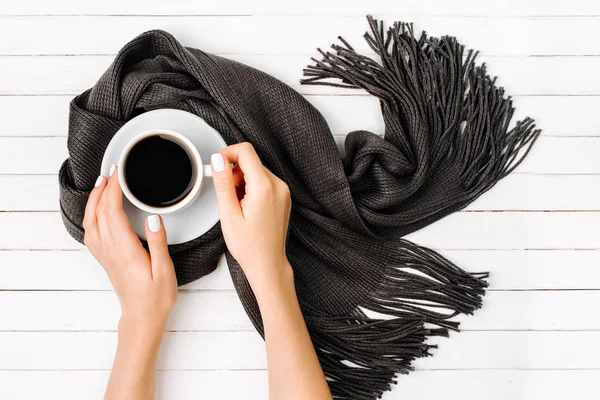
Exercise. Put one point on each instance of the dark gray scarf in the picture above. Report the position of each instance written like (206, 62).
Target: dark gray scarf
(447, 141)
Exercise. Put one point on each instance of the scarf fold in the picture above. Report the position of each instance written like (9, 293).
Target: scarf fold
(370, 298)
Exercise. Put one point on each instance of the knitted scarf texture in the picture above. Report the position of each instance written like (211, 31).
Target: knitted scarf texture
(370, 298)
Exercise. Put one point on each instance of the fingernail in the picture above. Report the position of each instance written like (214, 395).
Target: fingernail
(112, 169)
(218, 162)
(154, 223)
(99, 181)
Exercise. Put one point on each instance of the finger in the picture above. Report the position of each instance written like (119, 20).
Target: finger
(156, 235)
(119, 222)
(113, 189)
(105, 236)
(90, 222)
(114, 216)
(104, 233)
(229, 205)
(247, 161)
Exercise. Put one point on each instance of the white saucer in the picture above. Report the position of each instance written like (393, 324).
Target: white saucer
(201, 215)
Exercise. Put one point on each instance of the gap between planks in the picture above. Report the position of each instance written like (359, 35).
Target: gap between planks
(513, 173)
(264, 369)
(301, 15)
(75, 93)
(432, 248)
(232, 291)
(460, 211)
(297, 15)
(252, 330)
(273, 54)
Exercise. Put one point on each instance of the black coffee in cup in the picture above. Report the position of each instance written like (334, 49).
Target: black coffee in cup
(160, 171)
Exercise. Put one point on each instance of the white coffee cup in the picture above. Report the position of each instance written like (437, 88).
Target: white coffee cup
(200, 171)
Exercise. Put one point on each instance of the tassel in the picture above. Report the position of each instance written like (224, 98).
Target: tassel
(429, 93)
(361, 354)
(424, 82)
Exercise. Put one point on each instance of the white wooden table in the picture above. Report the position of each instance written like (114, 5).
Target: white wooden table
(538, 231)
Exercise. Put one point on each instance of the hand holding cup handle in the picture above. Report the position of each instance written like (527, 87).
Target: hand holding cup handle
(262, 213)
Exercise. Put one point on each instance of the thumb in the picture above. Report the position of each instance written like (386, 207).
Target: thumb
(156, 237)
(229, 205)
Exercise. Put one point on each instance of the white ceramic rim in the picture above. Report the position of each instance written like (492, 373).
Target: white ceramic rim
(200, 172)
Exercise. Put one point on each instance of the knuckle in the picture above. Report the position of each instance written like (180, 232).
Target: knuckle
(246, 146)
(101, 209)
(138, 258)
(264, 187)
(104, 212)
(284, 189)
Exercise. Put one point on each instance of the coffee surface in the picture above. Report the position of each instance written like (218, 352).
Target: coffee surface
(159, 171)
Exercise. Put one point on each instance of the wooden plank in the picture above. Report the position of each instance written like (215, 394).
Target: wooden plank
(222, 311)
(133, 7)
(95, 350)
(497, 385)
(549, 113)
(267, 35)
(245, 350)
(100, 311)
(520, 76)
(510, 270)
(23, 230)
(563, 156)
(51, 116)
(77, 270)
(180, 385)
(542, 192)
(343, 113)
(550, 155)
(540, 310)
(191, 385)
(515, 192)
(533, 269)
(508, 230)
(481, 230)
(515, 350)
(29, 193)
(32, 155)
(313, 7)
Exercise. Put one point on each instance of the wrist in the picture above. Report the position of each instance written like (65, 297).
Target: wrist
(144, 333)
(138, 347)
(272, 286)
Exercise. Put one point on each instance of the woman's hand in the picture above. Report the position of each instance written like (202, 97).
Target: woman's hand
(145, 283)
(254, 206)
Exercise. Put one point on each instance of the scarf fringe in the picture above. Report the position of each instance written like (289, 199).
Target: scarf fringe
(428, 82)
(417, 298)
(444, 98)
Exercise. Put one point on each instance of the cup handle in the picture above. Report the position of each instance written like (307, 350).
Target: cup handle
(207, 171)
